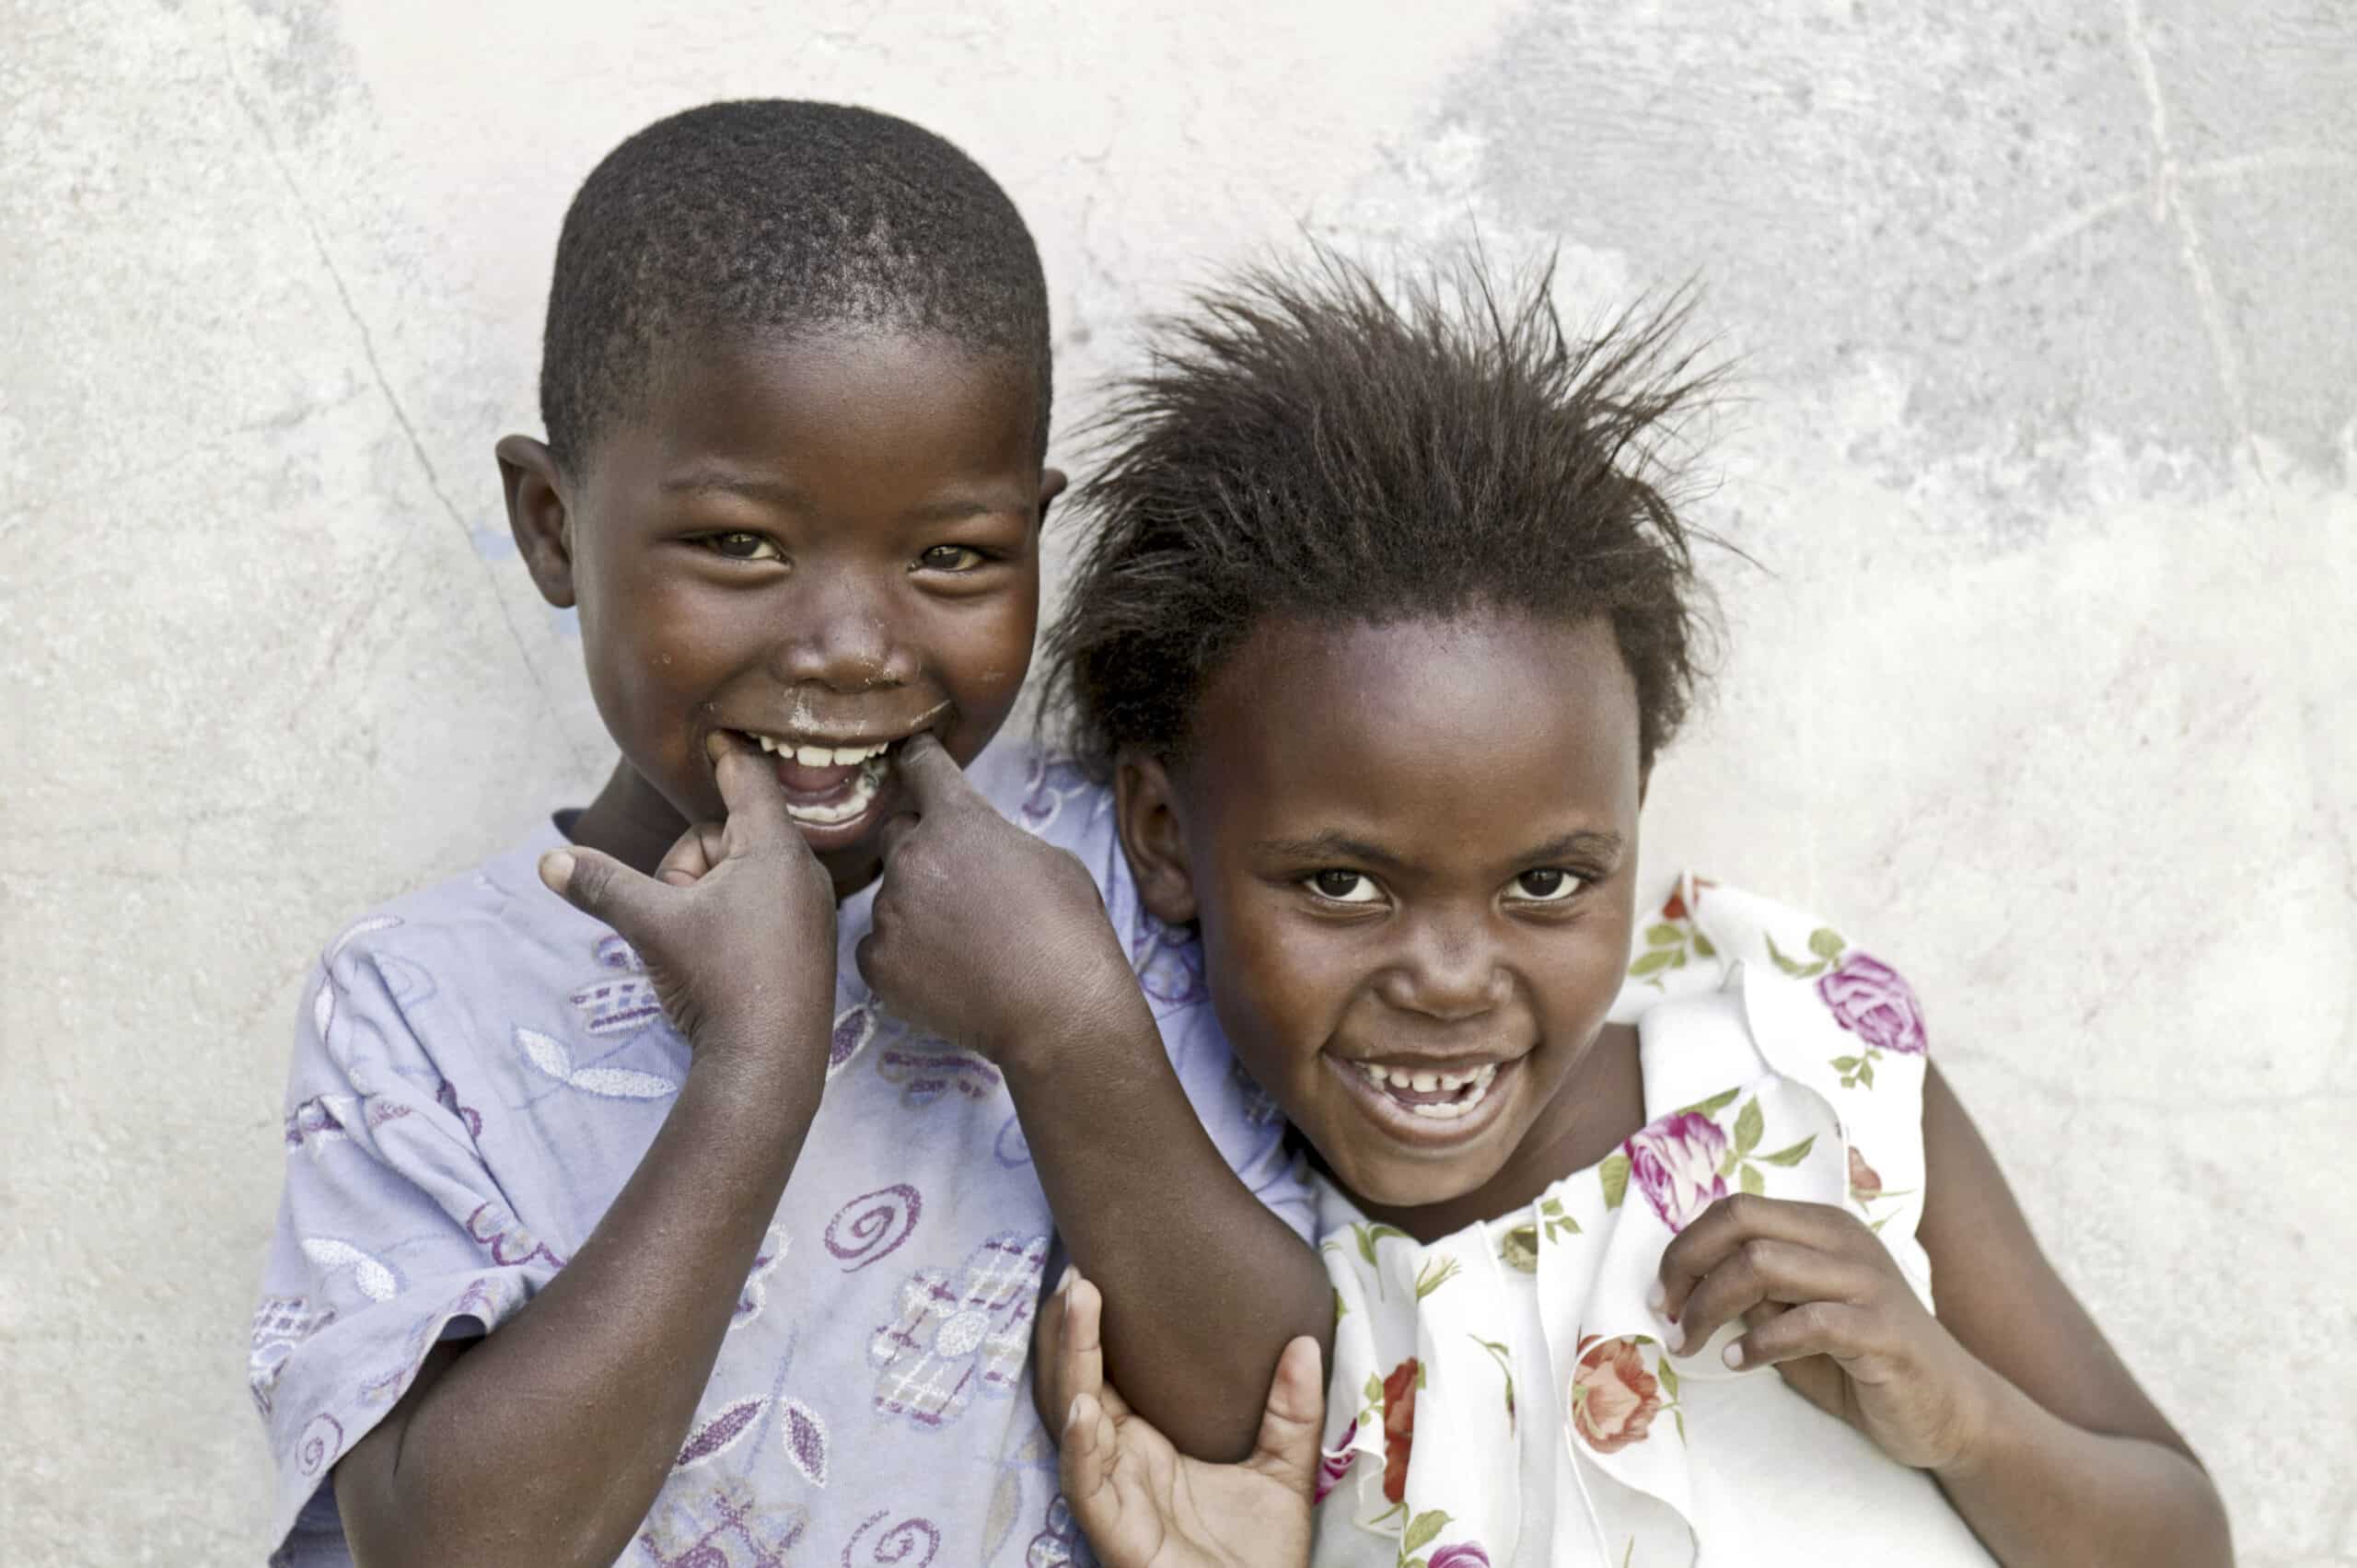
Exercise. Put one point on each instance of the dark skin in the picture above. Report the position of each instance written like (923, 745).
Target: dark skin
(1363, 823)
(813, 540)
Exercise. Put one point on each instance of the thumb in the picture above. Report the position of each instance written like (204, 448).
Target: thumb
(934, 777)
(604, 888)
(1286, 1450)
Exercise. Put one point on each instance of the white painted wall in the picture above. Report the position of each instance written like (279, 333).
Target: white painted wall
(2045, 688)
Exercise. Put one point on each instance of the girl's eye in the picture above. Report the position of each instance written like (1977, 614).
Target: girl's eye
(1343, 887)
(951, 558)
(742, 547)
(1547, 886)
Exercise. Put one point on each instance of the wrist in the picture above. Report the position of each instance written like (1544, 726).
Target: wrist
(1105, 1027)
(1989, 1413)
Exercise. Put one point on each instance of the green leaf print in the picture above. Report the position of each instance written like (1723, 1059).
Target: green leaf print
(1748, 1127)
(1518, 1249)
(1558, 1221)
(1793, 966)
(1791, 1156)
(1436, 1273)
(1713, 1106)
(1614, 1174)
(1657, 961)
(1664, 936)
(1703, 948)
(1342, 1308)
(1825, 942)
(1421, 1531)
(1753, 1182)
(1669, 1377)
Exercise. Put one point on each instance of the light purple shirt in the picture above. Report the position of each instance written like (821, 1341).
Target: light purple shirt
(480, 1068)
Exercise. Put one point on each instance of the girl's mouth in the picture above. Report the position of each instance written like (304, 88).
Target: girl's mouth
(1420, 1105)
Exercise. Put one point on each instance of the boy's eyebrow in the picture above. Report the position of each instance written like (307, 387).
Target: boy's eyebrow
(1591, 845)
(785, 492)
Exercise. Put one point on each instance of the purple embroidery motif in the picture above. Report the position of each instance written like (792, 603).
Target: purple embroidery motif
(890, 1215)
(509, 1242)
(1059, 1542)
(322, 1440)
(932, 1068)
(719, 1434)
(952, 1339)
(620, 1003)
(1168, 960)
(281, 1323)
(806, 1442)
(756, 1294)
(718, 1526)
(448, 1099)
(318, 1122)
(1053, 781)
(897, 1542)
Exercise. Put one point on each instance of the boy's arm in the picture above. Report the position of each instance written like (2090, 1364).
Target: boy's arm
(992, 938)
(547, 1442)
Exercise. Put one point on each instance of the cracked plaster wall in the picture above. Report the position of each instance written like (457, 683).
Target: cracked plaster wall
(2043, 686)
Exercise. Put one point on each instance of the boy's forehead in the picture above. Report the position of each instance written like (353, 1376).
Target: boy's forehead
(766, 397)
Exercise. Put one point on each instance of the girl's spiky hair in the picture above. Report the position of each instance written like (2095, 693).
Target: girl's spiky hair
(1309, 443)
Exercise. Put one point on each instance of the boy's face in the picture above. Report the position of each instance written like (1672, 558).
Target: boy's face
(825, 544)
(1411, 849)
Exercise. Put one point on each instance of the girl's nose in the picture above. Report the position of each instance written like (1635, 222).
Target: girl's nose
(1450, 971)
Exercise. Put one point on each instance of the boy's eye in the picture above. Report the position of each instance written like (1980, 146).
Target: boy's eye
(1343, 887)
(951, 558)
(742, 547)
(1550, 886)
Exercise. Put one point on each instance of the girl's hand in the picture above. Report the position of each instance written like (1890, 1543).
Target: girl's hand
(1141, 1504)
(984, 934)
(1826, 1306)
(737, 926)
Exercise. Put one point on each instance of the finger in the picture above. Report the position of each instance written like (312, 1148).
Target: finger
(1085, 1464)
(935, 781)
(1727, 1225)
(896, 828)
(1047, 1348)
(1082, 1369)
(1763, 1270)
(694, 853)
(1294, 1419)
(604, 888)
(748, 788)
(1835, 1328)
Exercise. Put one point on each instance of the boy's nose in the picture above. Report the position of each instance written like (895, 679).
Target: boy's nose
(843, 639)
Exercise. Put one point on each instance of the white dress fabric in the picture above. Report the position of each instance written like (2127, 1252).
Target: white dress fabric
(1503, 1395)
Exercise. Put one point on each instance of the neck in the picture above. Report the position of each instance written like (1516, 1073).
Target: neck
(1602, 1100)
(629, 821)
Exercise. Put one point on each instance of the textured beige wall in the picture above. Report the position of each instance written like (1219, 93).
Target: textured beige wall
(2044, 691)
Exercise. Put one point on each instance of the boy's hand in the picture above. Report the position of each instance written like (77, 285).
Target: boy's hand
(984, 934)
(737, 926)
(1141, 1504)
(1828, 1308)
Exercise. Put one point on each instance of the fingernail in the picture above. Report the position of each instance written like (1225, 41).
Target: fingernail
(716, 745)
(1063, 1281)
(556, 869)
(1071, 1416)
(1655, 1295)
(1676, 1338)
(1734, 1354)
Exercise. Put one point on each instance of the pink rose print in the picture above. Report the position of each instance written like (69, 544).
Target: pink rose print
(1335, 1463)
(1870, 1000)
(954, 1337)
(1613, 1397)
(1676, 1162)
(1865, 1182)
(1465, 1554)
(1399, 1426)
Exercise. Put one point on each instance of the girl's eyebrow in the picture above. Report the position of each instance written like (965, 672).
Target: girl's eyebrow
(1602, 848)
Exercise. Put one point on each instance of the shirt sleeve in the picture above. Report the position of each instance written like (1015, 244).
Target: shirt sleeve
(1241, 1118)
(391, 1234)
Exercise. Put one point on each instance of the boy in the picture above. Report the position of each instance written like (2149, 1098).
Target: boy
(795, 381)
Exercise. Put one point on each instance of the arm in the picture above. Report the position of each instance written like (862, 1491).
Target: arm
(547, 1442)
(2072, 1464)
(1204, 1285)
(2010, 1398)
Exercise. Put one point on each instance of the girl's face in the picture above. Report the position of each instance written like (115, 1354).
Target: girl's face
(1412, 850)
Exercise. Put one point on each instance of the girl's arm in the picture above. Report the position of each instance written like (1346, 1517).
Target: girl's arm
(994, 939)
(2010, 1397)
(2073, 1463)
(546, 1443)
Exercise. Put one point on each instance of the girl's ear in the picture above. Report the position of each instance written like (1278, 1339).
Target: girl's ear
(1145, 816)
(538, 515)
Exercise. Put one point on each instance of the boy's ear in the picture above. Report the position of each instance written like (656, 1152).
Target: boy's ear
(1144, 815)
(1052, 484)
(538, 514)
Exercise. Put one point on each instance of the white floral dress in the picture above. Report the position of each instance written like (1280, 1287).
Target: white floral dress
(1502, 1396)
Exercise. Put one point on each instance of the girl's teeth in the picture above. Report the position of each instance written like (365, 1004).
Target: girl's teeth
(1471, 1088)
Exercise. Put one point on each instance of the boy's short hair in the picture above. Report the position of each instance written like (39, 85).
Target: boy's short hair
(778, 213)
(1309, 443)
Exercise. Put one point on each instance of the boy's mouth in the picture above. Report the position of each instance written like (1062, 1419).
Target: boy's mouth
(833, 783)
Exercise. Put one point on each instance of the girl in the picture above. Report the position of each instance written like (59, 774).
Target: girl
(1387, 616)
